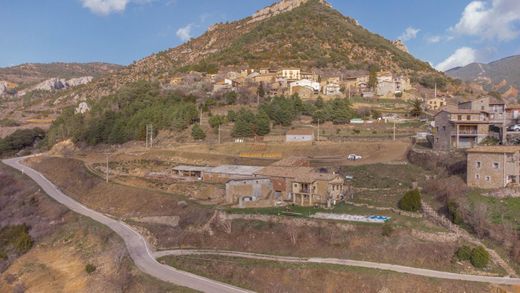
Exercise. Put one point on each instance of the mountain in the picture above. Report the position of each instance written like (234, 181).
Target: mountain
(502, 76)
(25, 75)
(308, 34)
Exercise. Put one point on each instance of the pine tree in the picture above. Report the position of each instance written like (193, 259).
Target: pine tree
(263, 126)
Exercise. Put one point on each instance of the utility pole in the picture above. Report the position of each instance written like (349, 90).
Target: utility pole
(200, 119)
(349, 91)
(149, 136)
(107, 169)
(219, 133)
(435, 90)
(394, 129)
(318, 130)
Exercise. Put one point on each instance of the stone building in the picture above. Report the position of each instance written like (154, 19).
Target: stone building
(490, 167)
(317, 189)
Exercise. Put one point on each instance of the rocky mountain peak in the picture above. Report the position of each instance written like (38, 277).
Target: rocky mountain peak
(279, 7)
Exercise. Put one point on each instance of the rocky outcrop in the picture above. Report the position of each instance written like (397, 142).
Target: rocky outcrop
(82, 108)
(278, 8)
(400, 45)
(3, 87)
(57, 84)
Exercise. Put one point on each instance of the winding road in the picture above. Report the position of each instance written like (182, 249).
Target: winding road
(145, 258)
(137, 246)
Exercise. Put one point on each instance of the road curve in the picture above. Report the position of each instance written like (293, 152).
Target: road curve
(137, 246)
(345, 262)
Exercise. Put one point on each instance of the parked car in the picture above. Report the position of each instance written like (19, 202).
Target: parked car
(349, 177)
(354, 157)
(515, 127)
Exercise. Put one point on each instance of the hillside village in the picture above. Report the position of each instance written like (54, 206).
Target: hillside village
(255, 165)
(308, 85)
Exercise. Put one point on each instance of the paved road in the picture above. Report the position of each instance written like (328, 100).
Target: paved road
(145, 258)
(345, 262)
(137, 246)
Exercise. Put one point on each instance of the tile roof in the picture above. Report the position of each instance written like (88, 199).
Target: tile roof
(495, 149)
(313, 177)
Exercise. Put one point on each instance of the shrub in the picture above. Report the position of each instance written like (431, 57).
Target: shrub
(463, 253)
(411, 201)
(388, 229)
(197, 133)
(479, 257)
(90, 268)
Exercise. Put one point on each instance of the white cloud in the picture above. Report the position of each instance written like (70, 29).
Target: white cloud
(462, 57)
(490, 19)
(433, 39)
(409, 34)
(184, 33)
(105, 7)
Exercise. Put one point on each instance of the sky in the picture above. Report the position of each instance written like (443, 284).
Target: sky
(446, 33)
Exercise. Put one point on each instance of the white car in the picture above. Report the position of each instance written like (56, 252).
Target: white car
(354, 157)
(515, 127)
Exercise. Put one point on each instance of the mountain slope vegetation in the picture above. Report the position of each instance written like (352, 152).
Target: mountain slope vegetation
(502, 76)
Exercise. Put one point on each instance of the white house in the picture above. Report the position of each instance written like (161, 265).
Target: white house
(313, 85)
(300, 135)
(332, 89)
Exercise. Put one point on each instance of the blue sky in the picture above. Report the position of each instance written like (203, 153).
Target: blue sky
(446, 33)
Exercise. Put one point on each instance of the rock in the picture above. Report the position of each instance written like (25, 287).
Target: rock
(79, 81)
(82, 108)
(57, 84)
(3, 87)
(278, 8)
(182, 203)
(400, 45)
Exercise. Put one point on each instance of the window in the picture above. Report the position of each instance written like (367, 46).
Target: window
(477, 177)
(478, 165)
(444, 128)
(468, 117)
(488, 178)
(459, 117)
(496, 165)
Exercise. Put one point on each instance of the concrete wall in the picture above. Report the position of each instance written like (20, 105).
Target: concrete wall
(256, 188)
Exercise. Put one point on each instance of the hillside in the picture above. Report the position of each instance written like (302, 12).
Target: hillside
(32, 73)
(502, 76)
(304, 33)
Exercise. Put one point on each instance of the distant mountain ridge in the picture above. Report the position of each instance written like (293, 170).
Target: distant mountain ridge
(33, 73)
(502, 76)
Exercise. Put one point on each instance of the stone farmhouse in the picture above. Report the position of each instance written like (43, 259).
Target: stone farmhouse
(491, 167)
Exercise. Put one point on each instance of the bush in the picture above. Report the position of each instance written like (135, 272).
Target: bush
(388, 229)
(90, 268)
(197, 133)
(16, 238)
(463, 253)
(411, 201)
(479, 257)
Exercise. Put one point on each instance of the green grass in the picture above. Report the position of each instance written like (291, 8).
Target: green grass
(501, 210)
